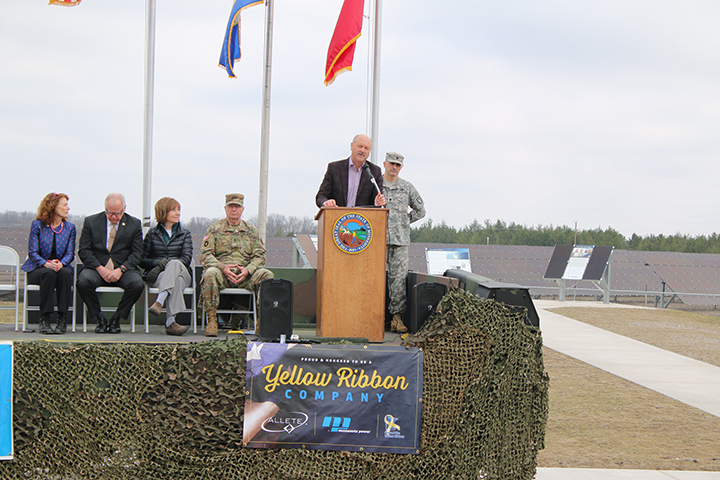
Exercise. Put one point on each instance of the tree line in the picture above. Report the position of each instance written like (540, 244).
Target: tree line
(501, 233)
(277, 225)
(498, 233)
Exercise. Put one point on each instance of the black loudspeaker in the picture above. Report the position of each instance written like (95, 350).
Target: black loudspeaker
(276, 309)
(509, 294)
(512, 296)
(424, 298)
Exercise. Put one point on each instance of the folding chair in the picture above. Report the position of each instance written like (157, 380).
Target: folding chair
(29, 287)
(236, 291)
(10, 258)
(109, 309)
(189, 290)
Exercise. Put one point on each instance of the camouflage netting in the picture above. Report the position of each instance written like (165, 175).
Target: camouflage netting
(115, 411)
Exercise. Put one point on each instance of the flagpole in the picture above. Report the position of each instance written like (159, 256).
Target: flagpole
(148, 119)
(375, 112)
(265, 135)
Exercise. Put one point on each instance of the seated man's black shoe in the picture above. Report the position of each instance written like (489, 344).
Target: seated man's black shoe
(45, 327)
(102, 324)
(114, 324)
(61, 326)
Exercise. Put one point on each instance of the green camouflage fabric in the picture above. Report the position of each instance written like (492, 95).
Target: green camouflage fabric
(225, 244)
(397, 267)
(401, 195)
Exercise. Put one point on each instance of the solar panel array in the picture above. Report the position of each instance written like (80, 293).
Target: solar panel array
(694, 276)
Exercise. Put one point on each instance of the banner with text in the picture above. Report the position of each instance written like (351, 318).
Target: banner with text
(333, 397)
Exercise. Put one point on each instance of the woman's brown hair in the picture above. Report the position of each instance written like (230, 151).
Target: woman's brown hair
(46, 210)
(163, 207)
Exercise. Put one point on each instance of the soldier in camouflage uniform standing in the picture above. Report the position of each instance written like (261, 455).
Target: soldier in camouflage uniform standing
(399, 195)
(232, 254)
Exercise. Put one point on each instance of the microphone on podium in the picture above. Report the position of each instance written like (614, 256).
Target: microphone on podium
(366, 167)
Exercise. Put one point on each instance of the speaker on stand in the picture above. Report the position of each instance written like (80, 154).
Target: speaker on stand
(276, 309)
(424, 298)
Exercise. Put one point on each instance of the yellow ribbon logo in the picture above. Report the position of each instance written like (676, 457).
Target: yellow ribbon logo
(390, 423)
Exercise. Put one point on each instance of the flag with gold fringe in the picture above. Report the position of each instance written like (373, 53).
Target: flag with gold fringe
(231, 43)
(65, 3)
(342, 46)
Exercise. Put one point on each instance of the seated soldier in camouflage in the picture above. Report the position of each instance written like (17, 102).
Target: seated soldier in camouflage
(232, 254)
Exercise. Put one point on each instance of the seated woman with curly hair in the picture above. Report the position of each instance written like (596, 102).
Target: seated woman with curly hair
(51, 250)
(166, 259)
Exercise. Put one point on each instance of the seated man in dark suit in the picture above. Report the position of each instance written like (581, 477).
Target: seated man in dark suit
(346, 184)
(111, 247)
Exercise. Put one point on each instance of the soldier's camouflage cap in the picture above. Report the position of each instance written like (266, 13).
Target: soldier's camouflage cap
(393, 157)
(234, 199)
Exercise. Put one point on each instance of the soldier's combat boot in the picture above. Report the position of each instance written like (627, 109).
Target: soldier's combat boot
(397, 324)
(212, 326)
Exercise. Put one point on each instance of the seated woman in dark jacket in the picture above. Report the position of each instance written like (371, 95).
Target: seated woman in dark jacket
(166, 257)
(51, 250)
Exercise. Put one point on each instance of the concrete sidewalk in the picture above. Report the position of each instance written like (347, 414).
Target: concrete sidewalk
(599, 474)
(685, 379)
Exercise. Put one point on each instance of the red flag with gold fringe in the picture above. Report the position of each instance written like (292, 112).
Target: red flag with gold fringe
(342, 46)
(65, 3)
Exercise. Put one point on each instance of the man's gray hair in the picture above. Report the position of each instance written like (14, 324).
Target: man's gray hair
(356, 136)
(115, 196)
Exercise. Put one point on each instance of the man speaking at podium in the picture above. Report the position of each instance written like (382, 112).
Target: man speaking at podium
(352, 182)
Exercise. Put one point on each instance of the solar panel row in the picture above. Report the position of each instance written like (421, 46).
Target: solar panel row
(694, 276)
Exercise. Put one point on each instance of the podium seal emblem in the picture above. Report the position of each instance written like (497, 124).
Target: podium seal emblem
(352, 233)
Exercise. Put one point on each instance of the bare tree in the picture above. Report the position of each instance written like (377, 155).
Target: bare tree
(282, 226)
(199, 225)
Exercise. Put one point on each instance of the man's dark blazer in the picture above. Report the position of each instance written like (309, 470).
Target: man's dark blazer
(127, 248)
(335, 185)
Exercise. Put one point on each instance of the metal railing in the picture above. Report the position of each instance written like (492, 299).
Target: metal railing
(659, 296)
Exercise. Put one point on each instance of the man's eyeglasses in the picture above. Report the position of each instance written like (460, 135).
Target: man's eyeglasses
(110, 214)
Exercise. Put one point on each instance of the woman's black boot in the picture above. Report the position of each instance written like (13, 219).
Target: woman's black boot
(45, 324)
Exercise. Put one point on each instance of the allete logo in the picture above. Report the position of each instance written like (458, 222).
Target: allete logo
(286, 422)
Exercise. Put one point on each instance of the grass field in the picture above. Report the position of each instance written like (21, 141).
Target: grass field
(598, 420)
(8, 316)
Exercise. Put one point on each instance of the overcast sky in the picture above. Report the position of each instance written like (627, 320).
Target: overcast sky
(536, 112)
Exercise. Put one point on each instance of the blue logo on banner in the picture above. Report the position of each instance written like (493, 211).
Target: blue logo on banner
(336, 423)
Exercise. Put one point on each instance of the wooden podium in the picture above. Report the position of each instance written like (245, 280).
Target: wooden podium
(351, 272)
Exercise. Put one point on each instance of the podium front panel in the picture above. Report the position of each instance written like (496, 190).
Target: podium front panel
(351, 273)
